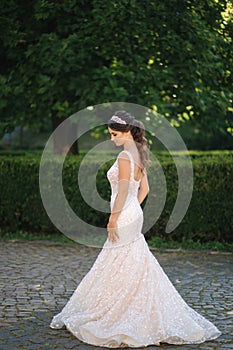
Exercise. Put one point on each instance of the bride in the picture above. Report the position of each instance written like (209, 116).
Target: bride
(126, 299)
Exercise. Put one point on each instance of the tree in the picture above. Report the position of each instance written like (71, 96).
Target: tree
(59, 57)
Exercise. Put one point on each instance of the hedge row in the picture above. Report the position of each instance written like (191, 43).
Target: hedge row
(208, 218)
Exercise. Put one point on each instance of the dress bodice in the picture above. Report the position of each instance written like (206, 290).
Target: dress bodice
(113, 173)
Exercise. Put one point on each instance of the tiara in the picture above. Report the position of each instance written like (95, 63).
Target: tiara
(118, 120)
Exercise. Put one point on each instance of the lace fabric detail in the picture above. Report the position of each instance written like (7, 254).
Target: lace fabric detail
(130, 221)
(112, 176)
(126, 299)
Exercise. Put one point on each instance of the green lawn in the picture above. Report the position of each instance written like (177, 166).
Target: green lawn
(156, 242)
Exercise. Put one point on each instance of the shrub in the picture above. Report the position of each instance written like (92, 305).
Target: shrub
(208, 218)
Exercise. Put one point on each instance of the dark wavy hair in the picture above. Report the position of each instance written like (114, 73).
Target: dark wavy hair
(137, 130)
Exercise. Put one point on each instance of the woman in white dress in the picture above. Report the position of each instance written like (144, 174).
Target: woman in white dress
(126, 299)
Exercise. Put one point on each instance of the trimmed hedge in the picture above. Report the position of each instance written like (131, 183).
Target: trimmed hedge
(209, 216)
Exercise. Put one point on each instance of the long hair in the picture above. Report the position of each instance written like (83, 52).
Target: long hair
(137, 130)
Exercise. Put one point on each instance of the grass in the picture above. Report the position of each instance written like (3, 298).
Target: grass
(155, 242)
(32, 236)
(189, 244)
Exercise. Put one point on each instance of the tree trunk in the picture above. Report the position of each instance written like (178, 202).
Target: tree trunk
(74, 149)
(21, 137)
(62, 135)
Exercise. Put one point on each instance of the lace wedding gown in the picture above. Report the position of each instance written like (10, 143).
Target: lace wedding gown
(126, 299)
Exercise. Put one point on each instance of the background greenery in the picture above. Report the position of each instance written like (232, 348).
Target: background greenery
(174, 56)
(209, 216)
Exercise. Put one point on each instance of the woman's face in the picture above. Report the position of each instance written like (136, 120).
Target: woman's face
(117, 137)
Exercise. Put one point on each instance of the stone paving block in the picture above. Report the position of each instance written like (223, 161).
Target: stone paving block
(37, 279)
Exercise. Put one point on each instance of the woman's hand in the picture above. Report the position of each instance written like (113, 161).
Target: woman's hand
(112, 232)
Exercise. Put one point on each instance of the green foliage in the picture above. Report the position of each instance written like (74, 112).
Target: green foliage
(159, 243)
(21, 205)
(59, 57)
(188, 244)
(32, 236)
(209, 216)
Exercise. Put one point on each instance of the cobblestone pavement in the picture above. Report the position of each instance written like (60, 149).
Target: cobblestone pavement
(37, 278)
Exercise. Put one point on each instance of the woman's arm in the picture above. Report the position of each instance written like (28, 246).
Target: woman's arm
(144, 188)
(123, 187)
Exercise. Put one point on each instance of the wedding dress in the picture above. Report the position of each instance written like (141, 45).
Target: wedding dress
(126, 299)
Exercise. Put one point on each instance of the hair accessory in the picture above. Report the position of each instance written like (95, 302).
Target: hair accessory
(118, 120)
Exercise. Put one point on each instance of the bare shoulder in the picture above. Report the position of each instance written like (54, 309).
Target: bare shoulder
(123, 159)
(124, 166)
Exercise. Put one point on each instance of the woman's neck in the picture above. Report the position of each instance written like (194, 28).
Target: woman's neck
(130, 145)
